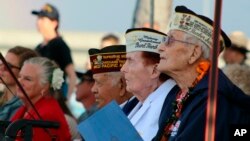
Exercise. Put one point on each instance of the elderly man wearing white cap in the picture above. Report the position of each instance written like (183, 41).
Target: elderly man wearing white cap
(185, 56)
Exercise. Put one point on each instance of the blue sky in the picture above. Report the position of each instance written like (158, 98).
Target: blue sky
(113, 15)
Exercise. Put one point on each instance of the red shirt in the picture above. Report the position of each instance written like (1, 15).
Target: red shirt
(49, 109)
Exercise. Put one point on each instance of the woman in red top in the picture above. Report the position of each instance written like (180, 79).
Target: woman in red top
(41, 78)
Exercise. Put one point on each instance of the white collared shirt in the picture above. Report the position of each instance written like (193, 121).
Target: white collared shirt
(123, 104)
(127, 101)
(145, 116)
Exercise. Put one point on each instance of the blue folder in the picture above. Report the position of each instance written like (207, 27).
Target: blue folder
(108, 124)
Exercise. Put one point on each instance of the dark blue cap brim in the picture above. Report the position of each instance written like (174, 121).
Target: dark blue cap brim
(35, 12)
(43, 14)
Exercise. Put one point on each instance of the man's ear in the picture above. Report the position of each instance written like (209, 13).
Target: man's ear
(155, 73)
(122, 82)
(55, 23)
(196, 54)
(45, 89)
(122, 86)
(46, 86)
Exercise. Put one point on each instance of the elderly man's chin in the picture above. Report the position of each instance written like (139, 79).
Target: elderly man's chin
(128, 88)
(132, 88)
(100, 104)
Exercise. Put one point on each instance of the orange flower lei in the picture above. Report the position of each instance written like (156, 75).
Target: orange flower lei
(202, 69)
(181, 98)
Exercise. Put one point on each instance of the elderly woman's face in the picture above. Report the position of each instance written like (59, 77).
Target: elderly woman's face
(175, 53)
(29, 77)
(137, 74)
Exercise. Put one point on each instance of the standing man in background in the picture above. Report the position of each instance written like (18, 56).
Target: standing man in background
(54, 47)
(109, 39)
(84, 94)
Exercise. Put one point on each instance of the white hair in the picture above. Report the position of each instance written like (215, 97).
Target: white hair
(115, 77)
(204, 47)
(47, 67)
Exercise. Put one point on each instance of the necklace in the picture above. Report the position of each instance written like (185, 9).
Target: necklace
(181, 99)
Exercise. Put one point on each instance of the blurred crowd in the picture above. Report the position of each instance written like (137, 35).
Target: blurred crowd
(158, 79)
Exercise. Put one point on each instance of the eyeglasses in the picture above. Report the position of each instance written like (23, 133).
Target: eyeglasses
(9, 65)
(170, 40)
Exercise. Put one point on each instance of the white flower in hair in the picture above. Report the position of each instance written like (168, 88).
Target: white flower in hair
(57, 79)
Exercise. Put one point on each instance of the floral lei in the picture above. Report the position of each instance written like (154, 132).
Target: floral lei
(181, 98)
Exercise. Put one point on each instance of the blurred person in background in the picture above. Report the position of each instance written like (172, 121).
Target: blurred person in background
(53, 45)
(1, 85)
(15, 57)
(237, 52)
(239, 75)
(85, 95)
(109, 39)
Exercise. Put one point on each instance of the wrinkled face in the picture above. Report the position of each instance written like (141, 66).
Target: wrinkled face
(13, 63)
(45, 25)
(137, 74)
(175, 53)
(83, 90)
(29, 78)
(105, 89)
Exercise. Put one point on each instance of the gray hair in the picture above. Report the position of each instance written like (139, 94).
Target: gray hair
(47, 67)
(204, 47)
(114, 77)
